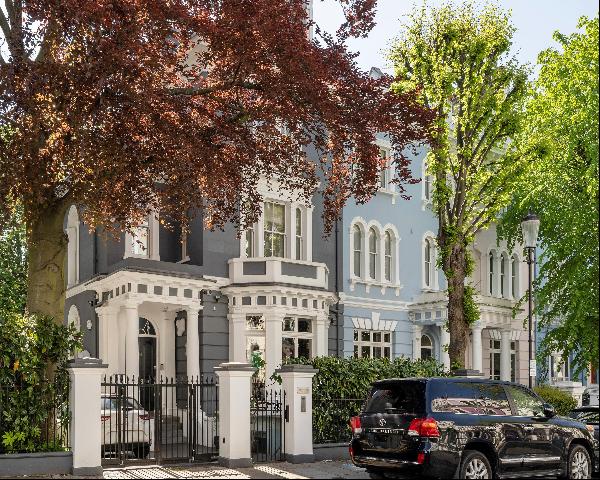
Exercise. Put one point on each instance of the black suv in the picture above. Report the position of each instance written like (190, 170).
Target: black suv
(467, 428)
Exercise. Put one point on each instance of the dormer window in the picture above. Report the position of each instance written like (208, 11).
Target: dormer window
(142, 241)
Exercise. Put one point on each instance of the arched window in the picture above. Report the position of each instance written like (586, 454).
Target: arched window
(427, 184)
(372, 253)
(146, 328)
(426, 347)
(427, 264)
(514, 278)
(387, 243)
(357, 253)
(73, 247)
(502, 275)
(491, 268)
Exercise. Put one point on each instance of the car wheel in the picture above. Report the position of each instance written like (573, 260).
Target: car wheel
(475, 465)
(579, 464)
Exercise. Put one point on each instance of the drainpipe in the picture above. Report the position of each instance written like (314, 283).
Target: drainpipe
(337, 289)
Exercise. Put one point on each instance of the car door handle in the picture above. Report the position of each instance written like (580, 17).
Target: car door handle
(528, 428)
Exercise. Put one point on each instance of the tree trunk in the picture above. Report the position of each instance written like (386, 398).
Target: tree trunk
(47, 250)
(455, 270)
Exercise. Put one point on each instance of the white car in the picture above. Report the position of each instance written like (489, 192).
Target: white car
(126, 427)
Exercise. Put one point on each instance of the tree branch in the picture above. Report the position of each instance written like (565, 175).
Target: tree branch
(193, 91)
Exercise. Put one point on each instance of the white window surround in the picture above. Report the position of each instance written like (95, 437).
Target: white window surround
(433, 270)
(153, 240)
(72, 232)
(372, 344)
(257, 231)
(364, 275)
(494, 289)
(426, 185)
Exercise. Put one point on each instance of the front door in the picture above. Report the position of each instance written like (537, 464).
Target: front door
(147, 370)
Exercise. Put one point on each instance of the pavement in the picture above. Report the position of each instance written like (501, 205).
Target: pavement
(323, 469)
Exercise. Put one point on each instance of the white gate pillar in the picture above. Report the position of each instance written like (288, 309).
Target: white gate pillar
(445, 341)
(84, 404)
(297, 384)
(234, 414)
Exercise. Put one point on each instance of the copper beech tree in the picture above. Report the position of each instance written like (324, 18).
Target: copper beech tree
(122, 107)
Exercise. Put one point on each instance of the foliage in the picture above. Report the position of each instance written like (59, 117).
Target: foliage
(560, 400)
(33, 396)
(460, 55)
(13, 264)
(104, 98)
(351, 378)
(560, 144)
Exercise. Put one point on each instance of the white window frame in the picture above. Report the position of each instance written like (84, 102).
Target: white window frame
(152, 250)
(273, 233)
(359, 343)
(388, 256)
(295, 335)
(431, 347)
(384, 173)
(299, 234)
(497, 351)
(357, 249)
(432, 266)
(503, 275)
(72, 247)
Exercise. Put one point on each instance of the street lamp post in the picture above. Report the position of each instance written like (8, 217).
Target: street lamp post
(530, 226)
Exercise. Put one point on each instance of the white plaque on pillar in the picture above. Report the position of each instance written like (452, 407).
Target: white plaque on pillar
(532, 368)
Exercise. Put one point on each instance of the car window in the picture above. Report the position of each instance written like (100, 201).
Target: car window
(407, 397)
(470, 397)
(107, 404)
(110, 403)
(526, 403)
(588, 417)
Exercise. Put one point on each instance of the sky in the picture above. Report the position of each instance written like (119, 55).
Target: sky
(535, 21)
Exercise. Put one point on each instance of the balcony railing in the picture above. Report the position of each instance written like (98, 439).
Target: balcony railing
(278, 270)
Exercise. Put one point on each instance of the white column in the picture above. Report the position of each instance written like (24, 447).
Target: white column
(237, 337)
(476, 348)
(273, 334)
(297, 384)
(167, 345)
(505, 355)
(108, 335)
(320, 347)
(192, 343)
(132, 346)
(445, 340)
(417, 332)
(85, 427)
(234, 414)
(308, 214)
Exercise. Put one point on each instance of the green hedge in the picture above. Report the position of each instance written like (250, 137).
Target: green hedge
(342, 384)
(562, 401)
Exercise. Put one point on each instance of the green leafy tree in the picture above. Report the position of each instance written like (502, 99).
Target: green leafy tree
(13, 265)
(561, 186)
(459, 55)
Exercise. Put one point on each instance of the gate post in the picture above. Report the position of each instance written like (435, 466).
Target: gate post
(297, 384)
(84, 404)
(234, 414)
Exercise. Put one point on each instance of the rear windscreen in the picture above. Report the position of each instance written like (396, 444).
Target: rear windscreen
(401, 397)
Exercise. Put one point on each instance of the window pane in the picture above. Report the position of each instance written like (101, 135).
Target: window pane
(388, 268)
(268, 245)
(388, 243)
(365, 352)
(376, 352)
(279, 218)
(288, 324)
(386, 337)
(139, 241)
(355, 335)
(496, 366)
(304, 349)
(357, 263)
(249, 242)
(527, 404)
(372, 241)
(472, 398)
(387, 352)
(298, 248)
(298, 222)
(304, 325)
(255, 322)
(365, 336)
(377, 336)
(287, 347)
(268, 216)
(372, 262)
(355, 351)
(426, 353)
(425, 341)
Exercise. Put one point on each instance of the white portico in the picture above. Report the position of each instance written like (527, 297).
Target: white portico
(139, 316)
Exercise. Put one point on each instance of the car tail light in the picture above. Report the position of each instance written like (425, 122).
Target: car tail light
(355, 425)
(420, 458)
(424, 427)
(104, 418)
(145, 416)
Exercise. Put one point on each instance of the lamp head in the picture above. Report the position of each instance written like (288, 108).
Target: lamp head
(530, 225)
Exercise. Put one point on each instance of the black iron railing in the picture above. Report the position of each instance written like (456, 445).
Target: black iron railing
(268, 416)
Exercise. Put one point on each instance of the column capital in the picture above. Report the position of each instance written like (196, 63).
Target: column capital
(193, 307)
(477, 326)
(416, 328)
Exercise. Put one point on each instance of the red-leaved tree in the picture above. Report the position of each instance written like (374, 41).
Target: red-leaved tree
(122, 106)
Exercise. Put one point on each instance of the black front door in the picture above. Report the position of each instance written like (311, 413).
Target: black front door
(147, 370)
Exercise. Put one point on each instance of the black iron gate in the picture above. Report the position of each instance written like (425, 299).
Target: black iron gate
(155, 421)
(268, 416)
